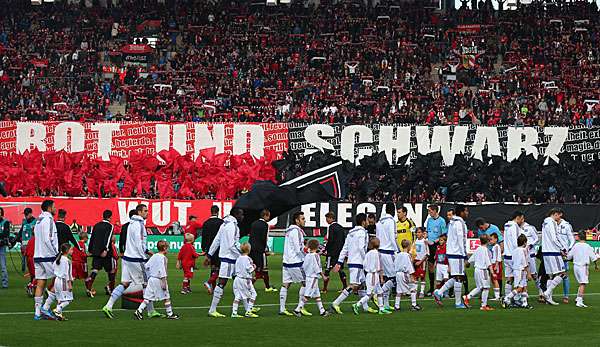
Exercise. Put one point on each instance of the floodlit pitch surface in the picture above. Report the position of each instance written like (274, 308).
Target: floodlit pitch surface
(543, 326)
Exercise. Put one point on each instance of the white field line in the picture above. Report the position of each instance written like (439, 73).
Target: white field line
(222, 306)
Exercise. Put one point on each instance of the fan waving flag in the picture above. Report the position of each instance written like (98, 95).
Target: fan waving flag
(323, 184)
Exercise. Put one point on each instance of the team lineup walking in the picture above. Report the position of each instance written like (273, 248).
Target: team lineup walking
(380, 267)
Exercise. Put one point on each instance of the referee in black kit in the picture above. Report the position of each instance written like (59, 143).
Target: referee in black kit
(100, 248)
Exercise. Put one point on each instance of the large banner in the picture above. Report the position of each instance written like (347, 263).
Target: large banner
(121, 138)
(352, 142)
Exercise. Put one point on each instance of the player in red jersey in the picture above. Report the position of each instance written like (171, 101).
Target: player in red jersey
(186, 260)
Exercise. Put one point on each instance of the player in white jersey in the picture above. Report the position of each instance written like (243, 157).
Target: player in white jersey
(520, 263)
(354, 250)
(45, 252)
(552, 252)
(512, 230)
(227, 242)
(533, 241)
(374, 276)
(483, 267)
(386, 232)
(581, 254)
(293, 259)
(243, 288)
(313, 271)
(133, 260)
(405, 277)
(456, 251)
(566, 238)
(157, 288)
(63, 284)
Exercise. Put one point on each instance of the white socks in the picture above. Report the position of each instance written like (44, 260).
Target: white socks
(449, 284)
(457, 292)
(484, 297)
(50, 300)
(362, 293)
(217, 295)
(61, 306)
(507, 288)
(38, 305)
(234, 307)
(115, 295)
(497, 293)
(473, 293)
(282, 298)
(551, 284)
(343, 296)
(413, 298)
(301, 297)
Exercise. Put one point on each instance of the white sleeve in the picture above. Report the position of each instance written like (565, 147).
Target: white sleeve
(471, 259)
(570, 254)
(554, 235)
(235, 246)
(593, 256)
(570, 237)
(300, 245)
(215, 244)
(343, 252)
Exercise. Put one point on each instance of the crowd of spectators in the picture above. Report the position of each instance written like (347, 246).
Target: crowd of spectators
(344, 61)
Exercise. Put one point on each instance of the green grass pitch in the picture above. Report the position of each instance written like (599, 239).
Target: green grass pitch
(542, 326)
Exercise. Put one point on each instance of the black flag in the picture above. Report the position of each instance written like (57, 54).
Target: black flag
(323, 184)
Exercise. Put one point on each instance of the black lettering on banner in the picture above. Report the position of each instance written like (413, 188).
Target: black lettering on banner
(550, 141)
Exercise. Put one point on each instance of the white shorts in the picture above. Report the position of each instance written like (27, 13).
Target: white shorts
(312, 288)
(357, 275)
(133, 272)
(243, 289)
(226, 270)
(532, 265)
(520, 279)
(373, 284)
(456, 266)
(61, 289)
(387, 264)
(293, 275)
(154, 291)
(554, 264)
(508, 269)
(482, 278)
(581, 274)
(404, 284)
(441, 272)
(44, 271)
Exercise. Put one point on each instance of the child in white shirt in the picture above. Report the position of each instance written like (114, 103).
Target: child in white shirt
(374, 278)
(582, 254)
(313, 271)
(157, 288)
(243, 288)
(405, 277)
(520, 266)
(483, 268)
(63, 284)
